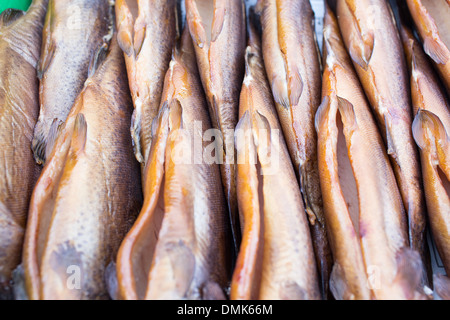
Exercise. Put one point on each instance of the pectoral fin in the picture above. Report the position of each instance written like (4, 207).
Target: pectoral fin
(436, 50)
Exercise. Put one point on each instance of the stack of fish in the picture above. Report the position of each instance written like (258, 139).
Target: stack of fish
(215, 152)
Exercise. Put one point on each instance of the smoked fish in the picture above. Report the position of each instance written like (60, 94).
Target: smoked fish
(430, 129)
(179, 247)
(364, 212)
(147, 31)
(217, 29)
(432, 20)
(20, 43)
(89, 192)
(73, 32)
(276, 258)
(373, 42)
(292, 62)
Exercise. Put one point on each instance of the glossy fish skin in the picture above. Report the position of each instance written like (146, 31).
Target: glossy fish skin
(430, 133)
(292, 62)
(431, 123)
(372, 40)
(88, 194)
(177, 249)
(73, 32)
(147, 31)
(276, 259)
(20, 43)
(364, 211)
(217, 28)
(432, 23)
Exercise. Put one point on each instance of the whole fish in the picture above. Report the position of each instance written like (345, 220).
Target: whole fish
(374, 45)
(432, 123)
(177, 249)
(147, 31)
(364, 211)
(292, 61)
(217, 29)
(431, 135)
(88, 194)
(20, 43)
(73, 32)
(432, 22)
(276, 260)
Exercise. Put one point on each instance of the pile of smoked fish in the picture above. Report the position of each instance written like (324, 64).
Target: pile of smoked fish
(210, 149)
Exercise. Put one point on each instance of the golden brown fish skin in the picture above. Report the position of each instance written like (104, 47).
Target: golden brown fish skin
(20, 43)
(432, 121)
(147, 31)
(177, 249)
(219, 39)
(292, 61)
(430, 133)
(369, 32)
(276, 260)
(72, 34)
(88, 194)
(365, 215)
(426, 89)
(432, 24)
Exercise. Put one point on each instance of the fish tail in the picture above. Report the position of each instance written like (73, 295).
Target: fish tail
(39, 143)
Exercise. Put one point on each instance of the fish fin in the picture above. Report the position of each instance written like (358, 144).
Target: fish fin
(361, 54)
(213, 291)
(322, 113)
(10, 15)
(79, 134)
(124, 29)
(20, 291)
(194, 21)
(338, 284)
(391, 149)
(436, 50)
(441, 286)
(361, 43)
(175, 115)
(290, 290)
(262, 123)
(218, 20)
(183, 265)
(409, 270)
(136, 122)
(347, 112)
(97, 59)
(39, 143)
(48, 44)
(124, 41)
(427, 119)
(311, 215)
(280, 92)
(295, 84)
(46, 58)
(111, 281)
(55, 131)
(140, 30)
